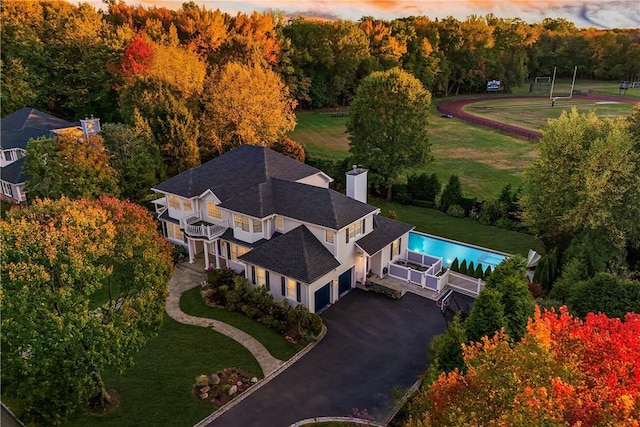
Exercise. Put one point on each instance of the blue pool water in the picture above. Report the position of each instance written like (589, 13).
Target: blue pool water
(449, 250)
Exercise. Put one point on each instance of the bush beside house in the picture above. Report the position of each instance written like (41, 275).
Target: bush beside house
(232, 291)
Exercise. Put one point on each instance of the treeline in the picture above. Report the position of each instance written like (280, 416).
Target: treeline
(68, 60)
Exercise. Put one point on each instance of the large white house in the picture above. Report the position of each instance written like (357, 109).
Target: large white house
(276, 219)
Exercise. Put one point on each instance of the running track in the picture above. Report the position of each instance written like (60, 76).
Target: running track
(456, 109)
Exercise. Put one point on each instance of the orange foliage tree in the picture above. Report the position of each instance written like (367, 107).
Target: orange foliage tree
(565, 371)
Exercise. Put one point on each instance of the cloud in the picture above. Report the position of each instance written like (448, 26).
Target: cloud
(584, 13)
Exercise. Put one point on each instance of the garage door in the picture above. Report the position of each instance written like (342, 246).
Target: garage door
(323, 297)
(344, 281)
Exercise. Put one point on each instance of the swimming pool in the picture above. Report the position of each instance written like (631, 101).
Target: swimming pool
(449, 250)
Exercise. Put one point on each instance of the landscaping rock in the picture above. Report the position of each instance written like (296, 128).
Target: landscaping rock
(214, 379)
(233, 390)
(254, 380)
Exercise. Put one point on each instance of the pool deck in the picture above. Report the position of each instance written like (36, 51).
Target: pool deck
(407, 287)
(457, 282)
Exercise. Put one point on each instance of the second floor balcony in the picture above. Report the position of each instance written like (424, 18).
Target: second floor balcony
(195, 227)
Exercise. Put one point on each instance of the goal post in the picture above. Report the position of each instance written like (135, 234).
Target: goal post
(553, 97)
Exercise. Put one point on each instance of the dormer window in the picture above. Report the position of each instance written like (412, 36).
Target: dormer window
(186, 205)
(257, 226)
(279, 223)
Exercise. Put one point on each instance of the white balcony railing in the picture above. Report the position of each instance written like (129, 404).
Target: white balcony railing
(190, 226)
(208, 231)
(189, 220)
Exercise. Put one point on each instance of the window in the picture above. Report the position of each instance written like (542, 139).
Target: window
(283, 286)
(364, 223)
(279, 223)
(253, 275)
(260, 277)
(242, 222)
(186, 204)
(298, 292)
(6, 189)
(354, 230)
(213, 211)
(292, 288)
(174, 202)
(328, 236)
(237, 251)
(395, 248)
(266, 279)
(257, 226)
(174, 232)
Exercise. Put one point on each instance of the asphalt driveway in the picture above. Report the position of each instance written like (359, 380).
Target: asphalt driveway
(374, 345)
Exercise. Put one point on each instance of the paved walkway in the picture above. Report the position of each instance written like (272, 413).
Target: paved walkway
(185, 278)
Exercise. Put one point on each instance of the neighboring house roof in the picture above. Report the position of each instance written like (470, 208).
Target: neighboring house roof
(308, 203)
(236, 171)
(296, 254)
(27, 123)
(385, 231)
(14, 172)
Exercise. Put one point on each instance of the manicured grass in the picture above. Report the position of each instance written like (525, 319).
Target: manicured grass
(156, 391)
(535, 112)
(191, 303)
(462, 229)
(484, 160)
(322, 134)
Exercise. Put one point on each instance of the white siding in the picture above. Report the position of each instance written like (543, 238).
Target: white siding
(317, 180)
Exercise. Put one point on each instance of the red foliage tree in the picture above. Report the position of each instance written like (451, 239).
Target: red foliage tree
(136, 58)
(565, 371)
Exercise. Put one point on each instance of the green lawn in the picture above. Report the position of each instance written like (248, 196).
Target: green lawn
(465, 230)
(322, 135)
(156, 391)
(191, 303)
(484, 160)
(534, 113)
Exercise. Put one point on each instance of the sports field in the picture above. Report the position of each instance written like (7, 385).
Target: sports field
(484, 159)
(534, 113)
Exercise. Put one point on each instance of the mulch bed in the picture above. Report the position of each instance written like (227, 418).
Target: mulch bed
(222, 392)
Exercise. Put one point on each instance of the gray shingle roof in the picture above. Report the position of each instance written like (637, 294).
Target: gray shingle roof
(229, 237)
(26, 123)
(296, 254)
(385, 231)
(236, 171)
(308, 203)
(164, 216)
(14, 172)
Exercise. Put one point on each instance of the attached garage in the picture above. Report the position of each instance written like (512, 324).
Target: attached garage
(344, 281)
(323, 297)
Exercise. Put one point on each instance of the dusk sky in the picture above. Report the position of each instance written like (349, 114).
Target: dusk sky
(585, 13)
